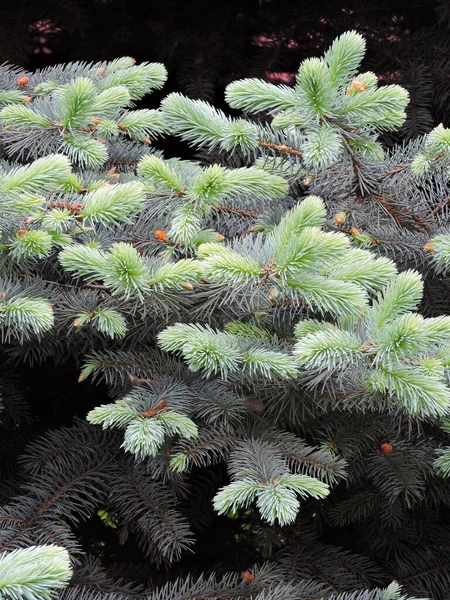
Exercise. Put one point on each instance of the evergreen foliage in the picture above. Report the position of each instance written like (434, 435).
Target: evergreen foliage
(269, 324)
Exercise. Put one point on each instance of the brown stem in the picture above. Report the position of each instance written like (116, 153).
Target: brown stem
(238, 211)
(161, 407)
(407, 219)
(282, 148)
(438, 208)
(397, 169)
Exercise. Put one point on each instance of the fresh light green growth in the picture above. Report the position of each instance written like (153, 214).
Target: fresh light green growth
(103, 204)
(147, 420)
(41, 176)
(122, 269)
(30, 244)
(332, 107)
(195, 192)
(23, 317)
(34, 573)
(435, 155)
(82, 116)
(392, 592)
(137, 79)
(298, 263)
(51, 226)
(260, 475)
(275, 500)
(23, 189)
(331, 104)
(442, 463)
(114, 204)
(221, 352)
(107, 321)
(439, 246)
(395, 350)
(201, 124)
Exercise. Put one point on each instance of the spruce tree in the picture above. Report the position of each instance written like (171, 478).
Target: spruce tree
(270, 322)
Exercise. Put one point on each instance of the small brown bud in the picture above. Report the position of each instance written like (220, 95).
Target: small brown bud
(188, 286)
(21, 232)
(219, 236)
(22, 81)
(96, 121)
(386, 448)
(77, 324)
(359, 86)
(247, 576)
(27, 99)
(271, 296)
(429, 247)
(161, 235)
(340, 218)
